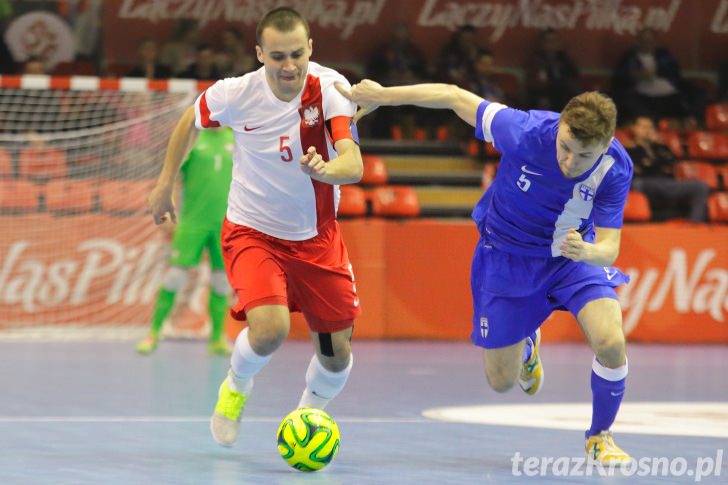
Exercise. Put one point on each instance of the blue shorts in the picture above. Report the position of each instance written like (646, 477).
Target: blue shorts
(514, 294)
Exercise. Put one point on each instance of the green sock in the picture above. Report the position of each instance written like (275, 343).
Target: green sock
(218, 306)
(162, 309)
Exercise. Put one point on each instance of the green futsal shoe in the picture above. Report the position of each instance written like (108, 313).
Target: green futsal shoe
(219, 347)
(148, 345)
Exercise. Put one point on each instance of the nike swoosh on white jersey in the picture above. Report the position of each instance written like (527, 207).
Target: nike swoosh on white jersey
(525, 170)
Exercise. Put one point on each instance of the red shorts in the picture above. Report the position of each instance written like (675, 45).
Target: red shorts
(313, 276)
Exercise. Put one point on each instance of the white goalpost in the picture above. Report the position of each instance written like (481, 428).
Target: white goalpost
(79, 255)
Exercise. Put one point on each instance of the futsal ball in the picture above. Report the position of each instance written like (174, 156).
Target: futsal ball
(308, 439)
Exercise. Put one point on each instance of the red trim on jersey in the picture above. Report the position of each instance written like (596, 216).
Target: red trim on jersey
(205, 113)
(313, 133)
(340, 128)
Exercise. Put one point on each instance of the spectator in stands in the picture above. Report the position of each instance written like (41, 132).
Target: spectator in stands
(35, 65)
(233, 58)
(722, 94)
(482, 78)
(148, 65)
(552, 78)
(180, 51)
(457, 56)
(647, 80)
(204, 67)
(7, 62)
(398, 61)
(654, 166)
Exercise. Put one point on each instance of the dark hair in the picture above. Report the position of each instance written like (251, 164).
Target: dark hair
(591, 117)
(282, 19)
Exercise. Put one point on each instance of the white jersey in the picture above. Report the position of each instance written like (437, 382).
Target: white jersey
(269, 191)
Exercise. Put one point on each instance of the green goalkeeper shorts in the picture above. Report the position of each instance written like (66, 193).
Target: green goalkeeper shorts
(188, 244)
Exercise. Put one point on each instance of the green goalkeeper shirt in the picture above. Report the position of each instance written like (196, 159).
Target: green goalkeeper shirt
(206, 176)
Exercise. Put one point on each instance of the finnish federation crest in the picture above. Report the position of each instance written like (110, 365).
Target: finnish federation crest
(484, 327)
(311, 116)
(587, 193)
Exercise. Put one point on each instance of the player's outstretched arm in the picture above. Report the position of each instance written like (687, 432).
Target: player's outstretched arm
(369, 95)
(183, 138)
(603, 252)
(346, 168)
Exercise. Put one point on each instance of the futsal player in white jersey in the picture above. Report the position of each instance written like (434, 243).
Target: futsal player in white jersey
(294, 144)
(550, 227)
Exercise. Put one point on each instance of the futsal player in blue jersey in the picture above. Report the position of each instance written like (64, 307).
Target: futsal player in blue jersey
(550, 227)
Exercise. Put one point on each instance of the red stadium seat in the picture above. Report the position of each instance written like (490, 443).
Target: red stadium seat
(42, 163)
(489, 170)
(723, 173)
(375, 170)
(490, 151)
(672, 140)
(624, 136)
(695, 170)
(73, 196)
(716, 117)
(6, 164)
(637, 208)
(353, 201)
(18, 195)
(124, 196)
(718, 207)
(707, 145)
(395, 201)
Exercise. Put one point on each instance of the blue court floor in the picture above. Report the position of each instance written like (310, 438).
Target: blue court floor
(412, 413)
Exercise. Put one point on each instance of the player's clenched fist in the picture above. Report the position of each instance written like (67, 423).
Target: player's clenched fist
(161, 205)
(574, 247)
(313, 164)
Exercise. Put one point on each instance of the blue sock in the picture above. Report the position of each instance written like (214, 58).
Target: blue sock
(608, 387)
(528, 348)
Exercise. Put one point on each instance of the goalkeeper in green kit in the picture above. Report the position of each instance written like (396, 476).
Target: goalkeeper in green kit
(206, 176)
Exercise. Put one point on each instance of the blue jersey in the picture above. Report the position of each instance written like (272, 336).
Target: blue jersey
(531, 205)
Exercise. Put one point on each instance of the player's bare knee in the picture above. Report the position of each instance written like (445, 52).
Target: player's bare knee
(610, 350)
(266, 337)
(334, 351)
(336, 363)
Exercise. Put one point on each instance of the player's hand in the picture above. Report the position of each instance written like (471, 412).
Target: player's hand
(161, 205)
(574, 247)
(313, 164)
(365, 94)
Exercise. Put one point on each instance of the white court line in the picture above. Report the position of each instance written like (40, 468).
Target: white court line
(703, 419)
(190, 419)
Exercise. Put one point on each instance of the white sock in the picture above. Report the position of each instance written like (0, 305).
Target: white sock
(245, 363)
(322, 385)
